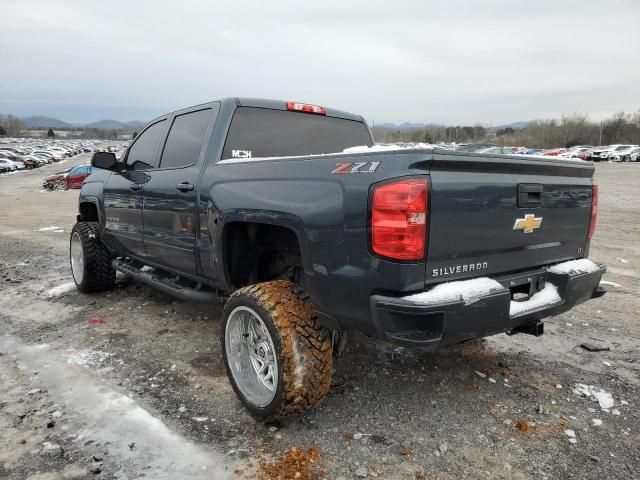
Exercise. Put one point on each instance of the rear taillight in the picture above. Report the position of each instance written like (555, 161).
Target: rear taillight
(399, 219)
(594, 212)
(306, 108)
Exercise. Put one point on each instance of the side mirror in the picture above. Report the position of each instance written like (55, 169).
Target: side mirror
(105, 160)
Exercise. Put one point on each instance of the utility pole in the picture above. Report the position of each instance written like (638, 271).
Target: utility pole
(600, 143)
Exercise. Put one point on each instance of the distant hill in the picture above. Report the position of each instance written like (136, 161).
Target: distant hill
(514, 125)
(44, 122)
(416, 126)
(113, 124)
(40, 122)
(407, 125)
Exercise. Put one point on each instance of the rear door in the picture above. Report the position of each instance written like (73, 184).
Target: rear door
(170, 195)
(123, 192)
(493, 215)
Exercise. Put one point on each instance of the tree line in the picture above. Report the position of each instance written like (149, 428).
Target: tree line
(571, 129)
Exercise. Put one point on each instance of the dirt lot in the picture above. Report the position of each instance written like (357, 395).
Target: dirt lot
(131, 384)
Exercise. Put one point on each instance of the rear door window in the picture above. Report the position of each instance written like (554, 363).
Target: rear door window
(261, 132)
(185, 139)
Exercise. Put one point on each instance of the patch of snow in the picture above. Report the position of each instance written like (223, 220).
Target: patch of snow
(200, 419)
(47, 229)
(583, 265)
(468, 291)
(101, 412)
(547, 297)
(480, 374)
(596, 422)
(299, 362)
(61, 289)
(622, 260)
(610, 284)
(87, 358)
(570, 433)
(385, 147)
(605, 399)
(615, 411)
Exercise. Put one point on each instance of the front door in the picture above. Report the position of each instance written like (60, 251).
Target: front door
(123, 194)
(170, 195)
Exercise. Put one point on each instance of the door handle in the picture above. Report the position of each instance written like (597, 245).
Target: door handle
(135, 187)
(184, 187)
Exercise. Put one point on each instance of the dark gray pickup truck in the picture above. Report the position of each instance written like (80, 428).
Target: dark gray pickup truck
(291, 214)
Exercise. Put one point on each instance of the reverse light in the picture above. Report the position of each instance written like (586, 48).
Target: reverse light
(594, 212)
(399, 219)
(306, 108)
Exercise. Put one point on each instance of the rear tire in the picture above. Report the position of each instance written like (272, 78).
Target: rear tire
(89, 258)
(277, 355)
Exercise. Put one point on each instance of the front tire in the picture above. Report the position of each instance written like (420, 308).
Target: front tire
(277, 355)
(89, 258)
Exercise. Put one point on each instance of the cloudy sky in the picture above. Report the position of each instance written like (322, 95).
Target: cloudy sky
(453, 62)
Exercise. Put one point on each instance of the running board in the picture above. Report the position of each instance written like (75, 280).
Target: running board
(165, 285)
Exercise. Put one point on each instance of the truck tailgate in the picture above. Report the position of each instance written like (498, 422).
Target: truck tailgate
(491, 215)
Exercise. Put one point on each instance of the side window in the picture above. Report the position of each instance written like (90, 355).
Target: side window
(140, 156)
(185, 139)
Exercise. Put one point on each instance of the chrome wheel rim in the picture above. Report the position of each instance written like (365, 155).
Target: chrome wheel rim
(251, 356)
(77, 258)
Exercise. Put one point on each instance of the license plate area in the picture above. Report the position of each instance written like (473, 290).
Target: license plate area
(523, 286)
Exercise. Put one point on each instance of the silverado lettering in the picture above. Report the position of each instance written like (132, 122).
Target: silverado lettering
(469, 267)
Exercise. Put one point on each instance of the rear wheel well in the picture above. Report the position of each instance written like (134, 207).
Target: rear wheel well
(88, 212)
(256, 252)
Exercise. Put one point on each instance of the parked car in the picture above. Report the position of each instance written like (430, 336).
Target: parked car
(68, 179)
(622, 154)
(634, 156)
(422, 247)
(554, 152)
(8, 165)
(603, 154)
(574, 152)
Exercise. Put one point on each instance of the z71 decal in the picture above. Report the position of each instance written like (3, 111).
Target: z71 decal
(356, 167)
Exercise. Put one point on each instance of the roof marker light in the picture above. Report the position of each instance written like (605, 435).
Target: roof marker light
(306, 108)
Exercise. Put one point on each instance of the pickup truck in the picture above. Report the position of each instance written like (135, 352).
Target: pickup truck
(290, 214)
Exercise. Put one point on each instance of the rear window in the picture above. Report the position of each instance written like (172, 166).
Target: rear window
(261, 132)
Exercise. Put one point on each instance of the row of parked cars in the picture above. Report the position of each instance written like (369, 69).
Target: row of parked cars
(609, 153)
(21, 156)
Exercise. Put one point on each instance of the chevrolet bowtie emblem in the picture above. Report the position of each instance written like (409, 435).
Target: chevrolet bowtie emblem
(527, 224)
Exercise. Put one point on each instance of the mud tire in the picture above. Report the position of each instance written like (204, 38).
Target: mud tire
(297, 335)
(99, 275)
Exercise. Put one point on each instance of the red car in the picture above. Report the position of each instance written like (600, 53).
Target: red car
(555, 152)
(69, 178)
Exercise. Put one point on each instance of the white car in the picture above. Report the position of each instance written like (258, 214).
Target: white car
(574, 151)
(614, 150)
(630, 154)
(7, 164)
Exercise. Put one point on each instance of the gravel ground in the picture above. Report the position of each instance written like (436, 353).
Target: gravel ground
(131, 383)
